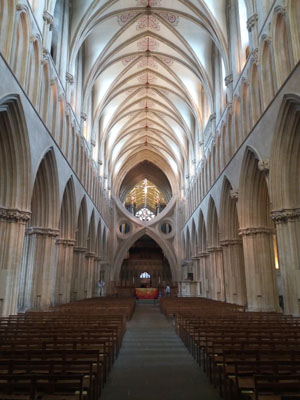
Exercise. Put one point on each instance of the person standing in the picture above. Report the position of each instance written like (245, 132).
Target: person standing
(101, 285)
(167, 290)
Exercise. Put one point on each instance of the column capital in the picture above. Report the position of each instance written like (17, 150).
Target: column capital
(264, 166)
(14, 215)
(228, 79)
(80, 249)
(21, 7)
(83, 116)
(66, 242)
(48, 18)
(40, 231)
(90, 254)
(214, 249)
(234, 194)
(230, 242)
(69, 78)
(285, 214)
(256, 231)
(252, 21)
(203, 255)
(255, 56)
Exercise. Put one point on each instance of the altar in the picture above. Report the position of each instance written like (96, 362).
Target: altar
(146, 293)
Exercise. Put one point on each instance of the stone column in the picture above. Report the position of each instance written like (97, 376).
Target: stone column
(203, 286)
(78, 273)
(96, 276)
(234, 271)
(12, 232)
(260, 269)
(38, 276)
(216, 273)
(47, 30)
(253, 32)
(89, 275)
(288, 240)
(64, 262)
(229, 88)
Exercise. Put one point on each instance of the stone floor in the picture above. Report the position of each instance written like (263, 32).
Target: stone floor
(153, 364)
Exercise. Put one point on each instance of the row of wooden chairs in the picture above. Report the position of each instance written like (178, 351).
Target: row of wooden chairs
(63, 353)
(248, 355)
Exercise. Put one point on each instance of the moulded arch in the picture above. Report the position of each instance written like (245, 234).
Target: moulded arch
(285, 160)
(15, 166)
(124, 248)
(281, 49)
(202, 234)
(20, 46)
(33, 71)
(68, 212)
(229, 224)
(294, 18)
(187, 249)
(254, 204)
(45, 194)
(7, 18)
(267, 73)
(212, 224)
(98, 240)
(44, 92)
(255, 97)
(91, 239)
(194, 243)
(82, 225)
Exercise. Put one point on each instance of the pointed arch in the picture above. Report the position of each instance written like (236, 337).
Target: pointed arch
(33, 71)
(7, 19)
(255, 97)
(91, 240)
(294, 18)
(267, 73)
(44, 202)
(68, 212)
(282, 51)
(213, 225)
(124, 247)
(82, 225)
(229, 224)
(254, 203)
(194, 244)
(202, 234)
(231, 242)
(285, 160)
(15, 167)
(20, 46)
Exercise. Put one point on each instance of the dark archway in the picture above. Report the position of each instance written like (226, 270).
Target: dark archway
(144, 257)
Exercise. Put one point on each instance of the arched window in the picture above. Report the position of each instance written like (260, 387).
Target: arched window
(145, 275)
(244, 36)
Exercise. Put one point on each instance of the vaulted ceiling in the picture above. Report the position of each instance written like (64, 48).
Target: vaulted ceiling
(148, 79)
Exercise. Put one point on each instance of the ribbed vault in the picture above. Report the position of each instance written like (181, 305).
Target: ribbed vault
(148, 77)
(149, 171)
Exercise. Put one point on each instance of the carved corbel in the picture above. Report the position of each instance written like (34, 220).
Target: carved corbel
(48, 18)
(251, 22)
(228, 79)
(234, 195)
(264, 166)
(69, 78)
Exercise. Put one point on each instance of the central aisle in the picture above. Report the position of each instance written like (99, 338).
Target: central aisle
(153, 363)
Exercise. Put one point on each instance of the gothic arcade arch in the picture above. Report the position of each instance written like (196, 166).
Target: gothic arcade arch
(124, 247)
(257, 231)
(15, 182)
(232, 246)
(285, 197)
